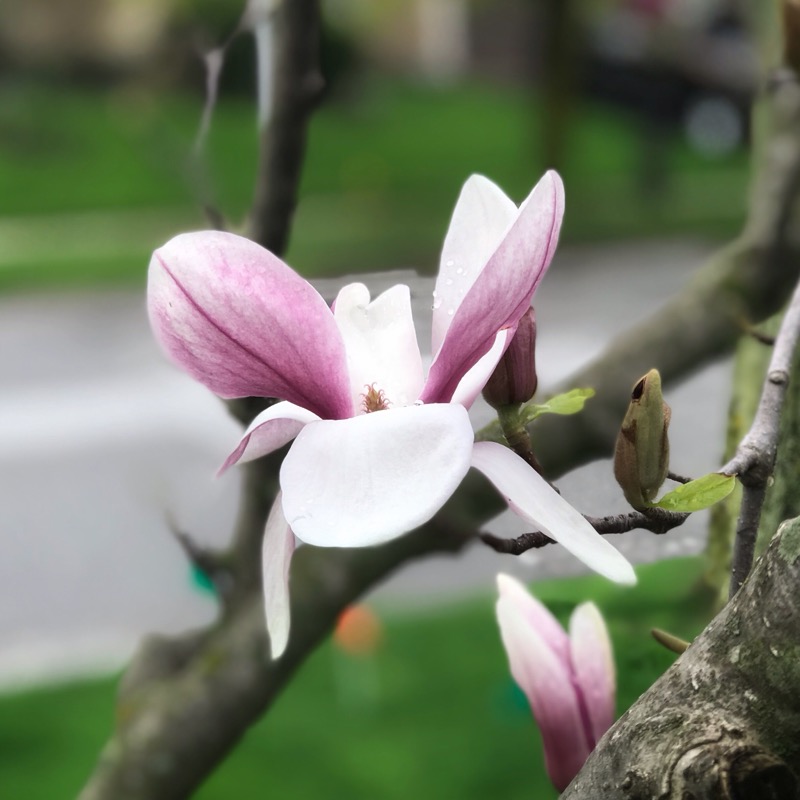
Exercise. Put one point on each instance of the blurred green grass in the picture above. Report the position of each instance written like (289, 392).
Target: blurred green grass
(93, 181)
(433, 714)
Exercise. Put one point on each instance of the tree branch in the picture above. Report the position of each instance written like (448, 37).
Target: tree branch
(297, 88)
(724, 721)
(656, 521)
(749, 279)
(754, 459)
(187, 701)
(178, 721)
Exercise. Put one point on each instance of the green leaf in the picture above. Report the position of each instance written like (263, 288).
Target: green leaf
(698, 494)
(570, 402)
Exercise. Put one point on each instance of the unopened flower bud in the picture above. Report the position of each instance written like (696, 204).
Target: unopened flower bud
(641, 458)
(567, 676)
(514, 379)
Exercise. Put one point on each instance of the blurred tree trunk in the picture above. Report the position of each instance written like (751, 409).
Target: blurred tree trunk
(562, 48)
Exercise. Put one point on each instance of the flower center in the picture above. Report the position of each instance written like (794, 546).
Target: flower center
(373, 399)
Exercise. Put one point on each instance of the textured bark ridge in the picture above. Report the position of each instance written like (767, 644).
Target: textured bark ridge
(724, 720)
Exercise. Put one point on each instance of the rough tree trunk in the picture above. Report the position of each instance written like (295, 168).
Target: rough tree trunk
(724, 720)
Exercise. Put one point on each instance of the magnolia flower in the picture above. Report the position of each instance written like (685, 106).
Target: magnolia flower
(568, 678)
(379, 446)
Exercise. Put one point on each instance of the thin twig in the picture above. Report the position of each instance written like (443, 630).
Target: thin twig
(754, 459)
(673, 476)
(212, 563)
(655, 520)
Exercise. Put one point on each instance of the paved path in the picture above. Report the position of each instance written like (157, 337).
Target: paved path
(100, 437)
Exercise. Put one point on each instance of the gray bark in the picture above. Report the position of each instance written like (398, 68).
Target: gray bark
(724, 720)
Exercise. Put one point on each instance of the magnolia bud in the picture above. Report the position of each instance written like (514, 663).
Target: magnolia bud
(641, 458)
(514, 379)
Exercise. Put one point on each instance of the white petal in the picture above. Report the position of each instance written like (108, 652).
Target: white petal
(276, 555)
(363, 481)
(480, 219)
(593, 664)
(272, 428)
(380, 342)
(537, 616)
(532, 498)
(503, 291)
(547, 683)
(470, 386)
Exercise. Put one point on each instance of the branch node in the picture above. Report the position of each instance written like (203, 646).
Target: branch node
(779, 377)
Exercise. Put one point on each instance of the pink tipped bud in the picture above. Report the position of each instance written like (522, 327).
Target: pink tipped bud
(568, 677)
(514, 379)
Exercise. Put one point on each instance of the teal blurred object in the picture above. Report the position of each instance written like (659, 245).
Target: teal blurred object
(201, 581)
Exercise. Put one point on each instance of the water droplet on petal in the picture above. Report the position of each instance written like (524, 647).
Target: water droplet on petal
(437, 303)
(449, 262)
(450, 312)
(460, 271)
(449, 282)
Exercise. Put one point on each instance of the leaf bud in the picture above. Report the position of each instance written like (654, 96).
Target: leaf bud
(641, 457)
(514, 379)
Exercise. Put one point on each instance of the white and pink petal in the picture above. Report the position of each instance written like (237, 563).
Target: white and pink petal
(503, 291)
(276, 555)
(593, 665)
(380, 342)
(366, 480)
(547, 683)
(471, 385)
(240, 321)
(531, 497)
(272, 428)
(482, 215)
(537, 616)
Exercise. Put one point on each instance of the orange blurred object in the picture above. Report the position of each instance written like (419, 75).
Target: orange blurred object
(358, 630)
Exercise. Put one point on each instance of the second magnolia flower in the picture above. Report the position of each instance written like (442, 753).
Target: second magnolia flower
(379, 446)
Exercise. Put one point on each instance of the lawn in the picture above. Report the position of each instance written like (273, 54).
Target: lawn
(93, 181)
(433, 714)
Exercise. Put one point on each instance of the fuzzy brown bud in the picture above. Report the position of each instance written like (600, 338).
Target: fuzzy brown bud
(514, 379)
(641, 457)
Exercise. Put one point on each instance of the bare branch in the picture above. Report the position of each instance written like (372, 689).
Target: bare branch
(754, 459)
(655, 520)
(297, 86)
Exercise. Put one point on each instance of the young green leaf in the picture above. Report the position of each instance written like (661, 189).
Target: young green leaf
(698, 494)
(570, 402)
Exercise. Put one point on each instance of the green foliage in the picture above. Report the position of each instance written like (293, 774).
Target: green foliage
(107, 176)
(570, 402)
(442, 720)
(699, 493)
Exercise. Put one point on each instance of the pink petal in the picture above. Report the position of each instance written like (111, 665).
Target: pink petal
(470, 386)
(480, 219)
(240, 321)
(548, 686)
(380, 342)
(593, 666)
(272, 428)
(532, 498)
(537, 616)
(366, 480)
(276, 555)
(503, 291)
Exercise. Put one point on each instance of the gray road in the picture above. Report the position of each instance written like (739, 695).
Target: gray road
(99, 437)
